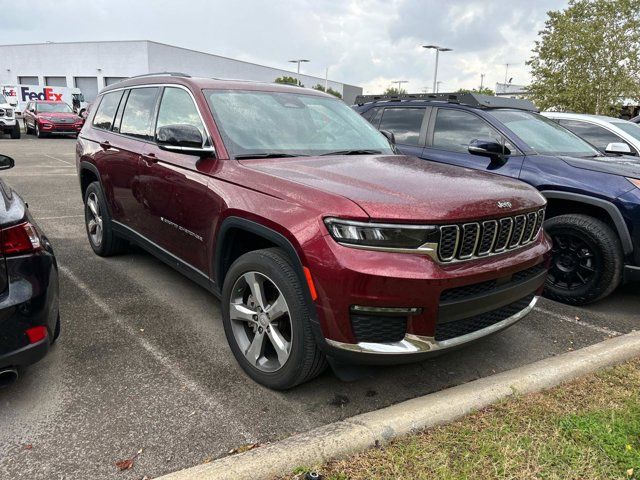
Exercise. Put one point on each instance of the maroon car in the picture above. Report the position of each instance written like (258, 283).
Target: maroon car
(321, 243)
(45, 117)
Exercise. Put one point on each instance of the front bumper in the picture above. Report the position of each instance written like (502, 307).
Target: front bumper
(489, 295)
(30, 300)
(60, 128)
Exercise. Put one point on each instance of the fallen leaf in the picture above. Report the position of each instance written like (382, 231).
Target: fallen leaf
(243, 448)
(630, 472)
(28, 447)
(125, 464)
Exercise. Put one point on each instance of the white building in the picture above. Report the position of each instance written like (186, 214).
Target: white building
(91, 66)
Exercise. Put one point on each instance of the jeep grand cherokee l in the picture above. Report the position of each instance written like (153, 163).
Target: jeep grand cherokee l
(593, 212)
(320, 242)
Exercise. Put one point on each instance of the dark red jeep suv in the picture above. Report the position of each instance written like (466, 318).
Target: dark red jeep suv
(320, 241)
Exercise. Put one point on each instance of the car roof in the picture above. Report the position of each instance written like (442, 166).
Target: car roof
(583, 116)
(200, 83)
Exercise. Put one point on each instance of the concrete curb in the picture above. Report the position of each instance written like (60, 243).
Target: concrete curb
(343, 438)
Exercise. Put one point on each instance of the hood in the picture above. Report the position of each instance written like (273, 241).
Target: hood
(58, 115)
(398, 187)
(625, 165)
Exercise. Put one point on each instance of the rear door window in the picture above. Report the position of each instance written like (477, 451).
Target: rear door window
(107, 110)
(137, 118)
(405, 123)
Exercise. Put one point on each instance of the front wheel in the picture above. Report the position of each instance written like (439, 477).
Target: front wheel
(15, 131)
(267, 321)
(587, 259)
(39, 134)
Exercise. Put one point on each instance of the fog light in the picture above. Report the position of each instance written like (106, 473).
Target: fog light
(36, 334)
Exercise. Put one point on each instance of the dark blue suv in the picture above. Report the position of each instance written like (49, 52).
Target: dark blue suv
(593, 213)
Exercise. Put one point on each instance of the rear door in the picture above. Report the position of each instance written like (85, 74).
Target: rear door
(451, 131)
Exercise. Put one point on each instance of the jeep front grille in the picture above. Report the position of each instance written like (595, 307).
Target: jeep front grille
(478, 239)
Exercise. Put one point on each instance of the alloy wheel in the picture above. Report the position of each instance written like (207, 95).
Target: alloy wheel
(261, 321)
(574, 264)
(94, 224)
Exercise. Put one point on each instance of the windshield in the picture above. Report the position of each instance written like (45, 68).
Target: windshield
(290, 124)
(543, 135)
(57, 107)
(630, 128)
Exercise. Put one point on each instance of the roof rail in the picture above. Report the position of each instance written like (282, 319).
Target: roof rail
(158, 74)
(467, 98)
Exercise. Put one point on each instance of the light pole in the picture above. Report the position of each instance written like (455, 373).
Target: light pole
(481, 81)
(438, 49)
(400, 82)
(299, 61)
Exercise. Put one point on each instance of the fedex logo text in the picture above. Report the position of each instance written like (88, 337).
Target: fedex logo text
(46, 94)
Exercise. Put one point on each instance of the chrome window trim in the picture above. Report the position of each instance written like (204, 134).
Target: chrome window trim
(412, 344)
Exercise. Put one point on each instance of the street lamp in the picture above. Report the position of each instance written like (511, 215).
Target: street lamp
(400, 82)
(438, 49)
(299, 61)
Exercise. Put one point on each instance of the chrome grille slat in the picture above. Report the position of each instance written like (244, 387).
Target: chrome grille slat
(490, 237)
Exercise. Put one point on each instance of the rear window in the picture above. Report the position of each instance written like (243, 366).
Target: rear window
(139, 112)
(107, 110)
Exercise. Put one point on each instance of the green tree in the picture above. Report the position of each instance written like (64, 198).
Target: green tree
(587, 57)
(288, 81)
(329, 90)
(483, 91)
(394, 91)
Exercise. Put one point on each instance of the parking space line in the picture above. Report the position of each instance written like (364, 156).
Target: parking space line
(576, 321)
(160, 357)
(57, 218)
(59, 159)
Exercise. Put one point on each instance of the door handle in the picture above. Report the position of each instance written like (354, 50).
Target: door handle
(105, 145)
(148, 158)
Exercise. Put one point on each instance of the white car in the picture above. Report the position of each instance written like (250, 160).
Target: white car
(607, 134)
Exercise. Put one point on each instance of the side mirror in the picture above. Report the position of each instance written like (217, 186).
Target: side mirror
(6, 162)
(489, 148)
(390, 136)
(618, 147)
(182, 138)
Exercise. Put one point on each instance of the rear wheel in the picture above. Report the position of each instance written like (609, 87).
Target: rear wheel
(267, 322)
(102, 239)
(587, 259)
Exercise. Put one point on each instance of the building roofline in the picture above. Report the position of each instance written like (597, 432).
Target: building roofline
(172, 46)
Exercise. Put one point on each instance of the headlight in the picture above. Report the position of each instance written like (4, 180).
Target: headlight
(382, 235)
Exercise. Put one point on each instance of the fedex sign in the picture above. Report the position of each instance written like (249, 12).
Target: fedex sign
(46, 93)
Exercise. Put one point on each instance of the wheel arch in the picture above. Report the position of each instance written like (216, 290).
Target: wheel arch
(560, 202)
(88, 173)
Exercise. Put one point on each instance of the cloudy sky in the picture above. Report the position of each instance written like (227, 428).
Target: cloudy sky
(363, 42)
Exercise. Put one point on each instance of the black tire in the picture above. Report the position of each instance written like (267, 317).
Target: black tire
(305, 360)
(582, 244)
(38, 133)
(27, 130)
(109, 244)
(15, 131)
(56, 330)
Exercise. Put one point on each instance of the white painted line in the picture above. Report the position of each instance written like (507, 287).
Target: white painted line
(170, 366)
(18, 174)
(576, 321)
(56, 218)
(59, 159)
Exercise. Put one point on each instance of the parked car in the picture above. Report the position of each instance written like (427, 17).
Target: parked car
(29, 304)
(20, 95)
(609, 135)
(43, 118)
(635, 119)
(320, 242)
(593, 212)
(8, 122)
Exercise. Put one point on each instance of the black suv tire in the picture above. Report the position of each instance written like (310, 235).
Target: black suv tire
(587, 250)
(305, 361)
(15, 131)
(109, 243)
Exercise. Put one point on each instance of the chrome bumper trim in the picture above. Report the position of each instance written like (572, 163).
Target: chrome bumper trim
(420, 344)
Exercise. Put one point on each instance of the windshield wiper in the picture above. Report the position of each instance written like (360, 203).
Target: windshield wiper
(352, 152)
(268, 155)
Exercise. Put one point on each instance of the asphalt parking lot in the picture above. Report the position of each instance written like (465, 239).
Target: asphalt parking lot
(143, 364)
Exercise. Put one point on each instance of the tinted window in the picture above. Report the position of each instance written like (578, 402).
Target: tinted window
(455, 129)
(177, 107)
(404, 123)
(107, 110)
(369, 114)
(138, 113)
(596, 135)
